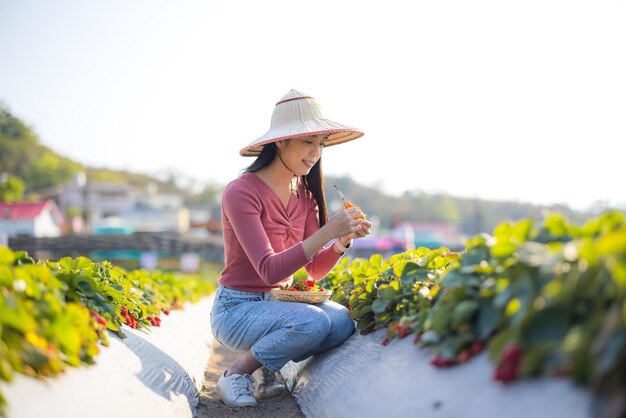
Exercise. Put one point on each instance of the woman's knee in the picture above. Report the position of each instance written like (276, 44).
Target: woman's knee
(314, 322)
(342, 325)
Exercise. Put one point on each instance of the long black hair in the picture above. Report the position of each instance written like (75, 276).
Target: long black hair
(313, 182)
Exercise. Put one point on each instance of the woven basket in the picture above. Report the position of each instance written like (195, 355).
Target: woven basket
(304, 297)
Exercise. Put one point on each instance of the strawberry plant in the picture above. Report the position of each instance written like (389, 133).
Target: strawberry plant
(544, 300)
(381, 292)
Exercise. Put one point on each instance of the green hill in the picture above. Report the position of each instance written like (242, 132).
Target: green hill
(469, 215)
(22, 155)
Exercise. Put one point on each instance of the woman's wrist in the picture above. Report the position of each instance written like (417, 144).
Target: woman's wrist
(340, 247)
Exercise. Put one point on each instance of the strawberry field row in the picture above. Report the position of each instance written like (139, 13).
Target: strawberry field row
(543, 299)
(56, 314)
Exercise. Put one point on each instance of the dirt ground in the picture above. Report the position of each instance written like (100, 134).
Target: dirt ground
(210, 405)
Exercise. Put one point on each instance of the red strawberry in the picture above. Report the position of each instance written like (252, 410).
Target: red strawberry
(508, 369)
(506, 372)
(477, 347)
(130, 321)
(511, 353)
(101, 320)
(464, 356)
(402, 331)
(440, 361)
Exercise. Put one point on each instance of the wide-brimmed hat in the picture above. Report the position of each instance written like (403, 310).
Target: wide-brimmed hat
(297, 115)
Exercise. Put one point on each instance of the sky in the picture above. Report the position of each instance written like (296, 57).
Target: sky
(500, 100)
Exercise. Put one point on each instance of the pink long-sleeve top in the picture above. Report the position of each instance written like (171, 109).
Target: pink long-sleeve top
(263, 239)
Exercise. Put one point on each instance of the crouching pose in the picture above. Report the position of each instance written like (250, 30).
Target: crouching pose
(275, 221)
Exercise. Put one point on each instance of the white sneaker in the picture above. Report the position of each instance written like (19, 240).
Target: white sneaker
(236, 389)
(267, 383)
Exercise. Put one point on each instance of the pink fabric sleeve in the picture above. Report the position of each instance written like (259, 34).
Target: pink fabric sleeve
(243, 211)
(325, 259)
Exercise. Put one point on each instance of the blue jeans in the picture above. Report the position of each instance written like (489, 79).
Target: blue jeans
(277, 332)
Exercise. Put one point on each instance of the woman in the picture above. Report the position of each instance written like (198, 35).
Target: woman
(275, 221)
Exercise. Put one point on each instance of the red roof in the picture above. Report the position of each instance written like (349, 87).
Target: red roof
(25, 210)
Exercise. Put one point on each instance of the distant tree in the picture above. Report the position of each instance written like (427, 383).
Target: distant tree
(11, 188)
(208, 195)
(22, 155)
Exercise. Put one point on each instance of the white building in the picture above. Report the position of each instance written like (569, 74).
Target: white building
(117, 206)
(39, 219)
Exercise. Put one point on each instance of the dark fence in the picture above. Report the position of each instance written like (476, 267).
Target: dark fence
(169, 244)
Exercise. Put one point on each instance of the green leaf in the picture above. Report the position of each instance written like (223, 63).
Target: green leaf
(379, 306)
(475, 255)
(388, 293)
(98, 298)
(409, 272)
(86, 285)
(503, 232)
(556, 225)
(81, 263)
(18, 319)
(454, 278)
(358, 313)
(6, 373)
(376, 260)
(534, 359)
(521, 230)
(6, 275)
(488, 319)
(451, 346)
(463, 312)
(6, 256)
(421, 252)
(546, 326)
(66, 263)
(440, 319)
(503, 249)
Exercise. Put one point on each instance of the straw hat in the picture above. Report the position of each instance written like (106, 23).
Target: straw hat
(297, 115)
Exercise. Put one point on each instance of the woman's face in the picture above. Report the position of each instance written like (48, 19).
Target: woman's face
(301, 154)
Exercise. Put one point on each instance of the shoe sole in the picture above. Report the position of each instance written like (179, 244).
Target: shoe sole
(266, 394)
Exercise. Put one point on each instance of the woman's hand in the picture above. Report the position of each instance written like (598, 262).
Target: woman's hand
(363, 229)
(345, 223)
